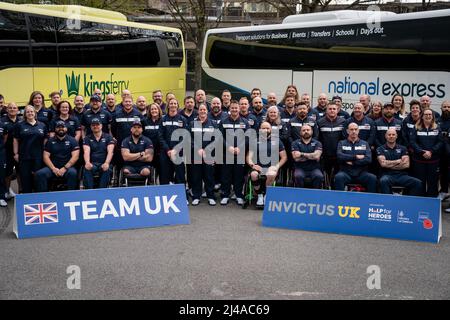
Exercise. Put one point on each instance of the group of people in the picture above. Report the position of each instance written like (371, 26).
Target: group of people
(376, 147)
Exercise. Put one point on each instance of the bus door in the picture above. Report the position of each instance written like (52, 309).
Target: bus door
(44, 54)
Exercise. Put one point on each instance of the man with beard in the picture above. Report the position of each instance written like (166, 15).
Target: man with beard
(306, 153)
(200, 98)
(354, 157)
(289, 109)
(95, 112)
(271, 100)
(60, 155)
(301, 119)
(157, 98)
(189, 112)
(444, 124)
(258, 111)
(217, 115)
(137, 152)
(141, 105)
(387, 121)
(55, 97)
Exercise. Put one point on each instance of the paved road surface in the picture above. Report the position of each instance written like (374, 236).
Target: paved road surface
(223, 254)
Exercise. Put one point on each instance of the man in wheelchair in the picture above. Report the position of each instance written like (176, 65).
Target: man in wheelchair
(265, 161)
(98, 153)
(137, 152)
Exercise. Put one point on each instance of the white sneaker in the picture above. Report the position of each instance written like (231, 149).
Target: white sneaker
(447, 210)
(240, 201)
(233, 197)
(260, 201)
(204, 195)
(3, 203)
(10, 194)
(443, 196)
(224, 201)
(195, 202)
(211, 202)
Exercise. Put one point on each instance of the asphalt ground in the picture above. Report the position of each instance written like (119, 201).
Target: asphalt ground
(224, 253)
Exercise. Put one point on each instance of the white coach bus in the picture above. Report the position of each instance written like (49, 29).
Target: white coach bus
(345, 53)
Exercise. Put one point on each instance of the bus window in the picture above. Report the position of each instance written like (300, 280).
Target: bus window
(43, 40)
(14, 45)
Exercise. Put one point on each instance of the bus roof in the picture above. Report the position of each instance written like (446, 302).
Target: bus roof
(85, 13)
(336, 18)
(82, 10)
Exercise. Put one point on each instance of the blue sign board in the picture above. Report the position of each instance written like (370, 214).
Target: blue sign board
(69, 212)
(354, 213)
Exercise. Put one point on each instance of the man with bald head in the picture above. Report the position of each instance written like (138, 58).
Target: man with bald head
(111, 104)
(258, 111)
(394, 161)
(365, 101)
(271, 100)
(141, 105)
(321, 109)
(354, 157)
(200, 98)
(425, 104)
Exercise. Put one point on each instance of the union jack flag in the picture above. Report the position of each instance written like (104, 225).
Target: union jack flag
(40, 213)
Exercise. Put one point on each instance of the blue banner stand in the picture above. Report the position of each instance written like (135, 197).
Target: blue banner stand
(81, 211)
(354, 213)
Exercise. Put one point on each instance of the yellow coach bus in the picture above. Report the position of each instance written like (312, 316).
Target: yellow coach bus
(75, 49)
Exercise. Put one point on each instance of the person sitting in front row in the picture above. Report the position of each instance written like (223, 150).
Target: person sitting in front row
(60, 155)
(265, 169)
(137, 152)
(306, 153)
(394, 162)
(354, 156)
(98, 152)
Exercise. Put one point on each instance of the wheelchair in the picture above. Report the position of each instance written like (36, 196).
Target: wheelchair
(135, 179)
(96, 179)
(308, 180)
(248, 189)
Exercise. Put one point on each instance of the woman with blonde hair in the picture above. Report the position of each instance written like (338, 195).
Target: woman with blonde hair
(399, 104)
(376, 112)
(427, 144)
(30, 136)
